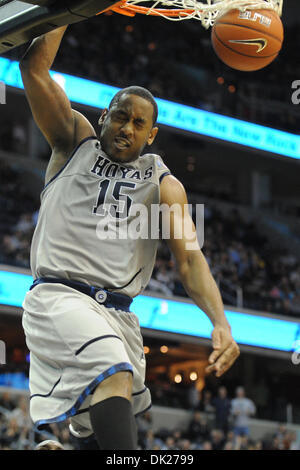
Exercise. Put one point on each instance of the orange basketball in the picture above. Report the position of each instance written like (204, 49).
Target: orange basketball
(248, 40)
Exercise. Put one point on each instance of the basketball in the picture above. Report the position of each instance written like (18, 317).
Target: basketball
(248, 40)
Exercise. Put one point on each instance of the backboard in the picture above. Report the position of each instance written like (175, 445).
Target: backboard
(23, 21)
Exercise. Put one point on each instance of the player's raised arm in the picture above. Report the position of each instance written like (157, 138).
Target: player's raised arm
(50, 105)
(196, 276)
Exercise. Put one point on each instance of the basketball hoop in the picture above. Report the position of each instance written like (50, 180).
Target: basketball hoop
(178, 10)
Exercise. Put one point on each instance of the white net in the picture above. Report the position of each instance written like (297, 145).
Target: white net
(207, 12)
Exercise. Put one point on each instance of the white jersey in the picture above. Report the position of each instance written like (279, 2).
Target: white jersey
(68, 241)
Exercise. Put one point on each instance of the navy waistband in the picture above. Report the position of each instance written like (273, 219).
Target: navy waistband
(102, 296)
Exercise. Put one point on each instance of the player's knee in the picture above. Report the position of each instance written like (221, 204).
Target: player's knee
(119, 384)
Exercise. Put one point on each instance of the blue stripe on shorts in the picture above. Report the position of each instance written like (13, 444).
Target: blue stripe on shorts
(113, 370)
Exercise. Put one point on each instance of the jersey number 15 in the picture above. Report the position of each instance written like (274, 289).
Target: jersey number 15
(120, 209)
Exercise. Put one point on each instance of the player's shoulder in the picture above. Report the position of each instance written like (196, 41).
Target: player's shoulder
(83, 127)
(82, 130)
(153, 156)
(158, 162)
(172, 190)
(61, 153)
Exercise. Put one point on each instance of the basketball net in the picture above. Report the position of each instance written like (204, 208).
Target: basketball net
(178, 10)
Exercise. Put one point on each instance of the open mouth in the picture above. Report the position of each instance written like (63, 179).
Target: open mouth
(122, 143)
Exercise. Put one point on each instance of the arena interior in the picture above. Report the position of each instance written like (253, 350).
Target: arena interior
(251, 197)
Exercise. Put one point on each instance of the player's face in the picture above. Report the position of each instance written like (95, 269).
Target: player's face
(127, 127)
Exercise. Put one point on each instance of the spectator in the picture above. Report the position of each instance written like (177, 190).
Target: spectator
(6, 401)
(222, 406)
(242, 408)
(10, 434)
(261, 397)
(217, 439)
(207, 445)
(177, 435)
(144, 424)
(207, 406)
(170, 444)
(242, 442)
(145, 421)
(280, 433)
(25, 223)
(228, 445)
(258, 445)
(151, 441)
(276, 444)
(294, 441)
(230, 437)
(184, 444)
(19, 138)
(21, 413)
(198, 429)
(194, 397)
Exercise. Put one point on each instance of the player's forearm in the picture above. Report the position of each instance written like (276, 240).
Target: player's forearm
(202, 288)
(40, 55)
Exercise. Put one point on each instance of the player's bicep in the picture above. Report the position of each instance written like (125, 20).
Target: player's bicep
(181, 236)
(50, 107)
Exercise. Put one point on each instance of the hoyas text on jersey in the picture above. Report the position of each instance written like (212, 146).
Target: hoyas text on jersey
(104, 167)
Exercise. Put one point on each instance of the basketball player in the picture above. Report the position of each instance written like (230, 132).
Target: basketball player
(87, 361)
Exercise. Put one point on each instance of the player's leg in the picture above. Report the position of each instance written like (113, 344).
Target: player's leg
(79, 349)
(111, 413)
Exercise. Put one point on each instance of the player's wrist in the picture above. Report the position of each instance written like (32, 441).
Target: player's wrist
(222, 323)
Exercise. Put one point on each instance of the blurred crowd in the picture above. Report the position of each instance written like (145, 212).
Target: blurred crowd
(177, 62)
(243, 263)
(18, 217)
(222, 424)
(13, 136)
(241, 260)
(16, 428)
(201, 435)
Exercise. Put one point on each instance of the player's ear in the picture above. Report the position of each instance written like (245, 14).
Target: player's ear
(152, 135)
(103, 116)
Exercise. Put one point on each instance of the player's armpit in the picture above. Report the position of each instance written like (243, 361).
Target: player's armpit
(59, 157)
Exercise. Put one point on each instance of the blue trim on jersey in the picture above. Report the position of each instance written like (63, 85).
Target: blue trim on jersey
(85, 410)
(70, 158)
(111, 371)
(139, 393)
(163, 175)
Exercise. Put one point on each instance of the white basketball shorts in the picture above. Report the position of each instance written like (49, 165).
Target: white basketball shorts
(76, 343)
